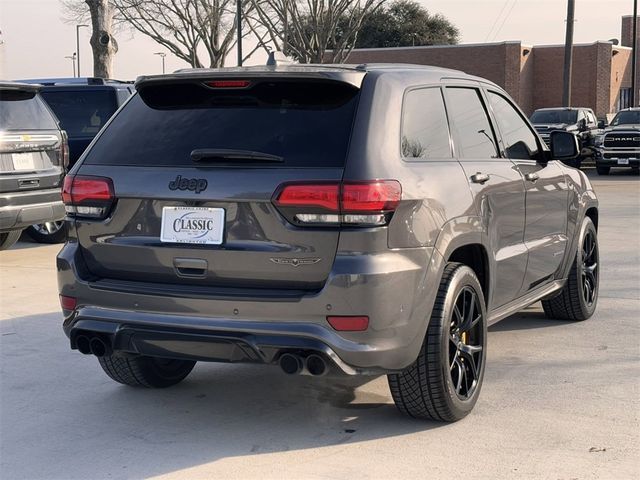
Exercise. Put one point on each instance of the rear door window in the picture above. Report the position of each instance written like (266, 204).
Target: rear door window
(474, 135)
(425, 131)
(81, 112)
(306, 123)
(23, 110)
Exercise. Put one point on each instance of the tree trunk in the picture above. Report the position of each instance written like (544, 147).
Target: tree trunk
(103, 43)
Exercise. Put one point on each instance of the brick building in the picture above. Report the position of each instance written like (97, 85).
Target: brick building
(532, 75)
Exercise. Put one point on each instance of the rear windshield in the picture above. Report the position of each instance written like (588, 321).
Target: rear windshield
(555, 116)
(307, 124)
(20, 110)
(81, 113)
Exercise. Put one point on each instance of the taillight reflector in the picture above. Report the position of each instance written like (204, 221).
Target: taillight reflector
(349, 324)
(68, 303)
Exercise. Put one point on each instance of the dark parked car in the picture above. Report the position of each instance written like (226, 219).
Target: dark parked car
(33, 154)
(83, 106)
(322, 218)
(618, 145)
(580, 121)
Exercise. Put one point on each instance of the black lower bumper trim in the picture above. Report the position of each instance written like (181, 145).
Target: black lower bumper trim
(199, 346)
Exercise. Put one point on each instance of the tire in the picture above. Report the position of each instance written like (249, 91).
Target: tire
(7, 239)
(578, 299)
(149, 372)
(56, 232)
(603, 170)
(431, 388)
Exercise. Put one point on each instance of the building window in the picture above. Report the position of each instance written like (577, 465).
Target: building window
(624, 100)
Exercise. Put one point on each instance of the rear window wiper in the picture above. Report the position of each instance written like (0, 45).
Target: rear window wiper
(232, 155)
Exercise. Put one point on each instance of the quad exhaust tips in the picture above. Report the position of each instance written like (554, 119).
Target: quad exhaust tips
(95, 345)
(293, 364)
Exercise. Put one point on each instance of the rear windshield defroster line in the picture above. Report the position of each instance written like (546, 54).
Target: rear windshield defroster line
(306, 123)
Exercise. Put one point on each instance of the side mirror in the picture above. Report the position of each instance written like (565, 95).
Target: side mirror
(564, 145)
(602, 124)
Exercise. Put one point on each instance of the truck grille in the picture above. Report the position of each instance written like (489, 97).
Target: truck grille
(622, 140)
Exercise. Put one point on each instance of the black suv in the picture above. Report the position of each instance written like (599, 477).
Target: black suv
(580, 121)
(364, 219)
(33, 154)
(83, 106)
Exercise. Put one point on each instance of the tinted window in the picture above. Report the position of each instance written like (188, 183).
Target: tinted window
(305, 123)
(81, 113)
(519, 141)
(555, 116)
(425, 132)
(628, 117)
(24, 111)
(474, 137)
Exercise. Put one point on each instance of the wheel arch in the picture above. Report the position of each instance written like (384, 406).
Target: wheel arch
(474, 256)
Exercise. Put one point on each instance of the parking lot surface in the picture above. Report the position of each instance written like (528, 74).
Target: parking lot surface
(560, 400)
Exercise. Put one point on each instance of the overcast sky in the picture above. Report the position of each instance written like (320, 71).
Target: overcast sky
(36, 40)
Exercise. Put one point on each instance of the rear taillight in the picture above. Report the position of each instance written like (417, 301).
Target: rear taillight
(90, 197)
(63, 154)
(369, 203)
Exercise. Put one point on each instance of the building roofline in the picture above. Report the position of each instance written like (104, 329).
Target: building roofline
(424, 47)
(556, 45)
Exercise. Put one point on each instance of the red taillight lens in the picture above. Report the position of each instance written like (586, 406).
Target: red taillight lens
(377, 196)
(87, 196)
(332, 203)
(322, 195)
(349, 324)
(229, 83)
(68, 303)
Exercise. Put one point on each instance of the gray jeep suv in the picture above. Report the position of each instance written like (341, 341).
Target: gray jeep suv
(370, 219)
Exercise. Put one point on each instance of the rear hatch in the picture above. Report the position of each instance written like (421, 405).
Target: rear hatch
(32, 148)
(194, 165)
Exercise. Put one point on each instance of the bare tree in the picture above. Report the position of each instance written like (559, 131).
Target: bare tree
(312, 31)
(200, 32)
(101, 13)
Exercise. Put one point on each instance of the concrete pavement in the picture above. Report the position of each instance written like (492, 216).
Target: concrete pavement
(560, 400)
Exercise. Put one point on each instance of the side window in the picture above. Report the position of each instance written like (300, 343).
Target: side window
(519, 141)
(425, 131)
(468, 116)
(591, 119)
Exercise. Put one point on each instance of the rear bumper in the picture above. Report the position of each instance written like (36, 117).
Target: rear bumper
(18, 210)
(396, 289)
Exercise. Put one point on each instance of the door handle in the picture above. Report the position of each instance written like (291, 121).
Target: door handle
(480, 178)
(532, 177)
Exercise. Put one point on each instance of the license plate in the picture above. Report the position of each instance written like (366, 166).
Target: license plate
(623, 161)
(198, 225)
(23, 161)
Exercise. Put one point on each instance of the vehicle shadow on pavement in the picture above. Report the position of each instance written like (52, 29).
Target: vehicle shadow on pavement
(532, 317)
(55, 400)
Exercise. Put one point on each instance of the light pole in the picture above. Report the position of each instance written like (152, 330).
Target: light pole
(162, 55)
(78, 27)
(568, 54)
(239, 27)
(73, 59)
